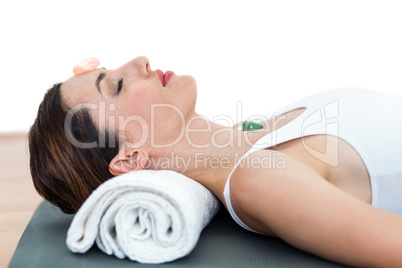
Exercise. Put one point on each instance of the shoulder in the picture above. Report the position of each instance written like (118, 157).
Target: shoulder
(263, 185)
(264, 164)
(259, 176)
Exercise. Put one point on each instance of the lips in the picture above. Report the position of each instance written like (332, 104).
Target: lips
(164, 77)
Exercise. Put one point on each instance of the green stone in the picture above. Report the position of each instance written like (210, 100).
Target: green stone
(250, 126)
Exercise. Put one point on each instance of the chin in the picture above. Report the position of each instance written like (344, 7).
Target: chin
(186, 84)
(188, 91)
(191, 86)
(190, 80)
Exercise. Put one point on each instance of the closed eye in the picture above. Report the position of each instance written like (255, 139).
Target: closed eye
(119, 86)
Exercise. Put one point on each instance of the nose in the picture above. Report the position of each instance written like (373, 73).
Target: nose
(140, 65)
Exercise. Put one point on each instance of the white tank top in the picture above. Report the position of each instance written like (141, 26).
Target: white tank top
(371, 122)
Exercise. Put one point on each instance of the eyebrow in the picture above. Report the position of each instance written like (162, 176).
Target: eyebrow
(98, 80)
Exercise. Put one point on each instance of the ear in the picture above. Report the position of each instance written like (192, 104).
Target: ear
(130, 161)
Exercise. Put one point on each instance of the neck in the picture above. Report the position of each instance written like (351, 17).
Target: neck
(208, 152)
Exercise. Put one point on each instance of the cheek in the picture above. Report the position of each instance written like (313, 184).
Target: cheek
(137, 101)
(136, 106)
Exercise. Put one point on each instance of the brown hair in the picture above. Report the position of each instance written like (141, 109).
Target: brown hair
(65, 174)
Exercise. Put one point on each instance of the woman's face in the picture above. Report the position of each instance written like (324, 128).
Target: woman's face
(142, 105)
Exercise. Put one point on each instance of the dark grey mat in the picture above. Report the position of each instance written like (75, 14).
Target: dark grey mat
(222, 244)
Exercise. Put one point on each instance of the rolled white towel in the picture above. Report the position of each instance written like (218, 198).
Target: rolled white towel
(147, 216)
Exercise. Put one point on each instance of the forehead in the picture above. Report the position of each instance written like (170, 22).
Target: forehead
(80, 89)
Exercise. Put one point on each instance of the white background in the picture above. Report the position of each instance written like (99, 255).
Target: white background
(265, 53)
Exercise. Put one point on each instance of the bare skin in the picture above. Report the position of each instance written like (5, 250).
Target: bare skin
(322, 209)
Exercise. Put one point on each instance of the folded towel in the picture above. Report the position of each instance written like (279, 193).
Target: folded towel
(147, 216)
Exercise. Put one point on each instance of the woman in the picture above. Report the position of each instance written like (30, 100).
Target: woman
(320, 175)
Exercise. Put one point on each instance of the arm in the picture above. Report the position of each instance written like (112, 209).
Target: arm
(305, 210)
